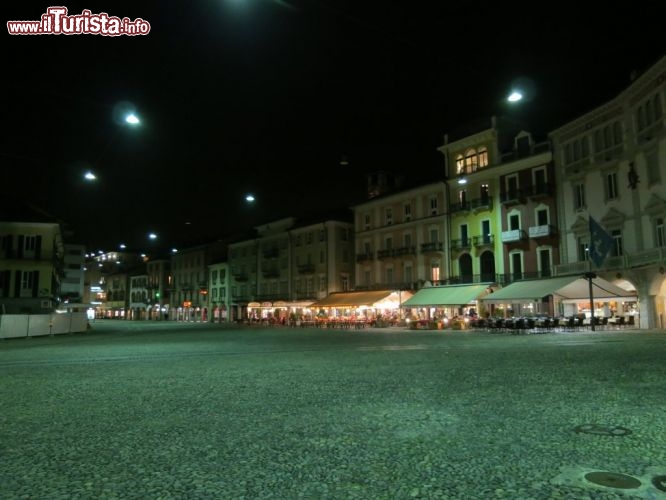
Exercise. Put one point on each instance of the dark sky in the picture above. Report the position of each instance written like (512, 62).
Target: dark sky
(264, 96)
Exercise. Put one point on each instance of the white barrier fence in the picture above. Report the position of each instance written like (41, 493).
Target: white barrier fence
(33, 325)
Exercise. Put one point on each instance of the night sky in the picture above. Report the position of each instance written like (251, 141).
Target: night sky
(266, 96)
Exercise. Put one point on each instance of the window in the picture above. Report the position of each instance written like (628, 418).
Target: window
(464, 234)
(223, 292)
(483, 157)
(485, 194)
(462, 198)
(616, 249)
(514, 222)
(460, 164)
(388, 213)
(407, 273)
(308, 238)
(542, 217)
(583, 254)
(388, 243)
(366, 221)
(366, 278)
(485, 231)
(433, 205)
(434, 235)
(579, 196)
(214, 293)
(611, 186)
(214, 277)
(30, 243)
(407, 212)
(408, 240)
(544, 262)
(660, 232)
(389, 275)
(344, 234)
(322, 283)
(512, 187)
(517, 265)
(344, 282)
(27, 280)
(322, 258)
(322, 235)
(652, 167)
(366, 247)
(471, 161)
(434, 271)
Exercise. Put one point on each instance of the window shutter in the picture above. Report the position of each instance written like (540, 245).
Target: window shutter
(19, 250)
(35, 283)
(38, 247)
(17, 284)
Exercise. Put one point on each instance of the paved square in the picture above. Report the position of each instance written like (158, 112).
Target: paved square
(170, 410)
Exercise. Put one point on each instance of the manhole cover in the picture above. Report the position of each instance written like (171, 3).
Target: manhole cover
(659, 482)
(602, 430)
(613, 480)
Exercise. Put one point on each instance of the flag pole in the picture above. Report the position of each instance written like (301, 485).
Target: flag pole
(589, 275)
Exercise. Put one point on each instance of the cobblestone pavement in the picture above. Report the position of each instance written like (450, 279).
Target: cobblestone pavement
(173, 410)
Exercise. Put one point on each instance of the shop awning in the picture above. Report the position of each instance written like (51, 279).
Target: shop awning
(452, 295)
(353, 299)
(565, 287)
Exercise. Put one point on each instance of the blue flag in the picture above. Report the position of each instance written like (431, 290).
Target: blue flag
(600, 243)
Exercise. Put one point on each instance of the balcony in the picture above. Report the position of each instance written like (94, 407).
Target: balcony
(487, 240)
(540, 190)
(305, 268)
(433, 246)
(512, 196)
(362, 257)
(541, 231)
(461, 244)
(513, 235)
(400, 251)
(483, 203)
(385, 254)
(461, 206)
(652, 257)
(270, 253)
(270, 273)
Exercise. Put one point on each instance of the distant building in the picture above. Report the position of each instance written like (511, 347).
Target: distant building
(72, 286)
(31, 259)
(290, 264)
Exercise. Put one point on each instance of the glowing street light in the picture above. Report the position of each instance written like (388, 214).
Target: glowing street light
(152, 236)
(249, 198)
(515, 96)
(89, 176)
(132, 119)
(123, 246)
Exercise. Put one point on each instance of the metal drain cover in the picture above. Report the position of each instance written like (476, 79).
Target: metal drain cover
(602, 430)
(613, 480)
(659, 482)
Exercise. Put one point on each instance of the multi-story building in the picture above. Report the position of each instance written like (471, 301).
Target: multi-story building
(189, 294)
(138, 295)
(71, 287)
(31, 263)
(611, 168)
(400, 239)
(290, 264)
(159, 285)
(116, 286)
(502, 208)
(218, 292)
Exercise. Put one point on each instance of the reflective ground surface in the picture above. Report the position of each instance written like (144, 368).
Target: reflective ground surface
(171, 410)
